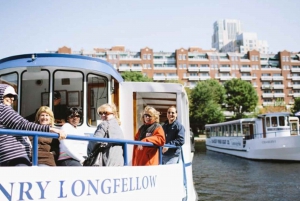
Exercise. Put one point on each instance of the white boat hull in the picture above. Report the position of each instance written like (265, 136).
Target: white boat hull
(277, 148)
(164, 182)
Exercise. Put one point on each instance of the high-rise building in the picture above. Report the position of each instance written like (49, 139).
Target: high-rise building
(276, 77)
(229, 37)
(225, 31)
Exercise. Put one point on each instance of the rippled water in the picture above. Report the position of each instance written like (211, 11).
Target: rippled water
(223, 177)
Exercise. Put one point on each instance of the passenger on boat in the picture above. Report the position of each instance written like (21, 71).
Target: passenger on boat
(60, 111)
(113, 156)
(72, 152)
(15, 150)
(150, 131)
(174, 132)
(48, 148)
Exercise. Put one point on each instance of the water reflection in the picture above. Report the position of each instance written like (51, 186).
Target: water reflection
(223, 177)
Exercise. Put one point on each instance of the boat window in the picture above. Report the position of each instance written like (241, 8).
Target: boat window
(246, 129)
(274, 121)
(69, 87)
(283, 121)
(12, 80)
(234, 132)
(34, 92)
(268, 122)
(229, 130)
(239, 130)
(97, 95)
(207, 132)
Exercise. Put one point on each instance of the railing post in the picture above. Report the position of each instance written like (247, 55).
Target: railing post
(125, 153)
(160, 155)
(35, 150)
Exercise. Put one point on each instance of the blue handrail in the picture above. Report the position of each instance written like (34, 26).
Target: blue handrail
(36, 134)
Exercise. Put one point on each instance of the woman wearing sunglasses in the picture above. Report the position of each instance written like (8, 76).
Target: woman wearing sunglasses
(110, 124)
(150, 131)
(72, 152)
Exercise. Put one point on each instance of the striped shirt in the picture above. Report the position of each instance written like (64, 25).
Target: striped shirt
(12, 147)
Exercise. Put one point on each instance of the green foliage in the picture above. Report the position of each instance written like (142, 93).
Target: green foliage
(296, 106)
(241, 97)
(132, 76)
(206, 99)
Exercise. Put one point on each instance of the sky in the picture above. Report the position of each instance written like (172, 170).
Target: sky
(34, 26)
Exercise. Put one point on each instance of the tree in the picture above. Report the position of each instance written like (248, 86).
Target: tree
(206, 100)
(135, 77)
(296, 107)
(241, 97)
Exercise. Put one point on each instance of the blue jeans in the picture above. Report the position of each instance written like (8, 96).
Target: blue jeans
(166, 159)
(69, 162)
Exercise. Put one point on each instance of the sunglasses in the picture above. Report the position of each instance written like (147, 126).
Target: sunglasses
(73, 116)
(171, 112)
(105, 113)
(147, 115)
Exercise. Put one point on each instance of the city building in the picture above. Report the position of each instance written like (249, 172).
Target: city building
(225, 31)
(276, 77)
(229, 36)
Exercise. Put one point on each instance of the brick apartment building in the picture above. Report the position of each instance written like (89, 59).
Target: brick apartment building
(274, 76)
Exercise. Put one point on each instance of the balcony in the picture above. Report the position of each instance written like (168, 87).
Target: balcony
(124, 68)
(295, 95)
(296, 78)
(266, 86)
(136, 68)
(193, 69)
(266, 77)
(205, 77)
(278, 86)
(225, 69)
(204, 69)
(268, 103)
(245, 69)
(279, 95)
(246, 77)
(296, 86)
(267, 95)
(159, 77)
(194, 78)
(277, 77)
(172, 77)
(295, 70)
(225, 77)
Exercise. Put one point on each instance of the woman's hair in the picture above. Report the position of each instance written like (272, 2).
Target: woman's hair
(47, 110)
(172, 107)
(152, 112)
(74, 111)
(113, 109)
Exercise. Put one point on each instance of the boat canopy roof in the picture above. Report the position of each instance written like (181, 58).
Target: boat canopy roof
(274, 114)
(62, 60)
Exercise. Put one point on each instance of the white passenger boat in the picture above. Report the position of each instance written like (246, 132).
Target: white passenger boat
(272, 136)
(88, 83)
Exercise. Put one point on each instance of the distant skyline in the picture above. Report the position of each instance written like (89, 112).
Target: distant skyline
(34, 26)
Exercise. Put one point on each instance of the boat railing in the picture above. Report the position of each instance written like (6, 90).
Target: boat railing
(123, 142)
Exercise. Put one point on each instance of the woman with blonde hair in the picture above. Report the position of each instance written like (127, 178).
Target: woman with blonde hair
(48, 148)
(110, 124)
(150, 131)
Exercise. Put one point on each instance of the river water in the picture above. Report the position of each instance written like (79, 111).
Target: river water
(223, 177)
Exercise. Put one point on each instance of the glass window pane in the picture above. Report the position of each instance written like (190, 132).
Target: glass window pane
(12, 80)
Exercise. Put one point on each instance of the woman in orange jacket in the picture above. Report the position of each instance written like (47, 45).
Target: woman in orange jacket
(151, 131)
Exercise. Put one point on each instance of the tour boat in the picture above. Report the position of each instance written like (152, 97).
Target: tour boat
(271, 136)
(89, 82)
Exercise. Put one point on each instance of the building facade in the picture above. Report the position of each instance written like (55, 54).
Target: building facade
(276, 77)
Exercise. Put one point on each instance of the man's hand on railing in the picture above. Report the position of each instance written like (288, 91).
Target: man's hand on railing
(164, 149)
(61, 134)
